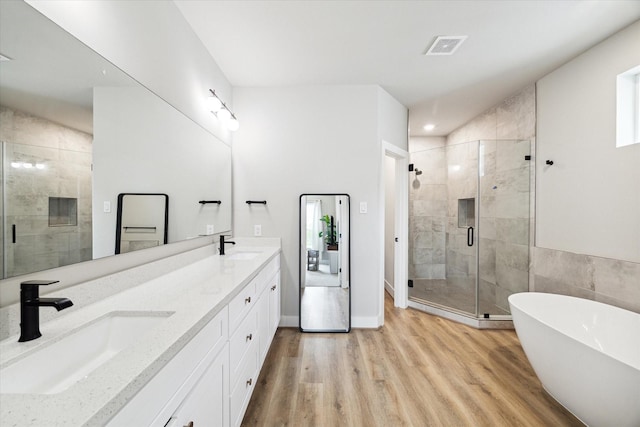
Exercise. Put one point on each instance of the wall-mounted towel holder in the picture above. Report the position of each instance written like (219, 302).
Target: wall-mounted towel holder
(205, 202)
(257, 202)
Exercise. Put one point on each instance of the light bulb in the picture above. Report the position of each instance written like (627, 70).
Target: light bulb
(224, 115)
(213, 104)
(39, 166)
(27, 165)
(233, 124)
(16, 164)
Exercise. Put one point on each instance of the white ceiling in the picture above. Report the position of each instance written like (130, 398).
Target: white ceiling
(510, 44)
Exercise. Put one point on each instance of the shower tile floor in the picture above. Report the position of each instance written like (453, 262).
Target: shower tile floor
(458, 294)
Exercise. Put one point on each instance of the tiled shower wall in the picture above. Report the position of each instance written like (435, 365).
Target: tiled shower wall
(428, 214)
(507, 132)
(450, 173)
(66, 154)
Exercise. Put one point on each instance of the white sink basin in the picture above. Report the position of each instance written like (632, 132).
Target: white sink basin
(242, 255)
(60, 364)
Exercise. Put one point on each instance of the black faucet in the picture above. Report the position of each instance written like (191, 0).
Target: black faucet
(30, 303)
(222, 243)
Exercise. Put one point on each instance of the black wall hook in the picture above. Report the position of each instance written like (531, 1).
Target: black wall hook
(549, 162)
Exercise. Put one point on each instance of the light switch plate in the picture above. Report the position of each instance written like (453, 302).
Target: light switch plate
(363, 207)
(257, 230)
(106, 207)
(210, 229)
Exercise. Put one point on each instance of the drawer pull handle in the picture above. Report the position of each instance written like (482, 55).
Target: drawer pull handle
(273, 288)
(249, 382)
(247, 300)
(249, 337)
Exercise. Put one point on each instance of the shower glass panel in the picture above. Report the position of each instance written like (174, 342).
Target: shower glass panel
(46, 210)
(505, 193)
(469, 226)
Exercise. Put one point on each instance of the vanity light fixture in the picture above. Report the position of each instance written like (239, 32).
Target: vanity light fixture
(220, 109)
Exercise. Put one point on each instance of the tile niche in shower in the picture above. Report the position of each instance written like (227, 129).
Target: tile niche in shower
(466, 212)
(63, 211)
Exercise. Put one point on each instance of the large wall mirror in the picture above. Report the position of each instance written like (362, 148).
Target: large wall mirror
(325, 290)
(76, 131)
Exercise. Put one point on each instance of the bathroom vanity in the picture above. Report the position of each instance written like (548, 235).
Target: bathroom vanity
(184, 347)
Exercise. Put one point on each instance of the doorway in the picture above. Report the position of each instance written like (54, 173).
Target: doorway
(395, 201)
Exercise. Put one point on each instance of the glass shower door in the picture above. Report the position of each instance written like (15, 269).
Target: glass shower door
(443, 226)
(504, 190)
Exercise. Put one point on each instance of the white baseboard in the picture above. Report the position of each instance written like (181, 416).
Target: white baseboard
(389, 288)
(356, 322)
(289, 322)
(365, 322)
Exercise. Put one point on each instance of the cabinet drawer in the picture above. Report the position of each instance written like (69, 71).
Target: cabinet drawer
(207, 404)
(263, 278)
(243, 387)
(241, 304)
(241, 342)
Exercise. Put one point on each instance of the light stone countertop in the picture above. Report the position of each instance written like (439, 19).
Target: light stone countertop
(194, 293)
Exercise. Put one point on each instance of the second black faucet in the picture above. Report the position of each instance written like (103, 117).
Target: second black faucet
(223, 242)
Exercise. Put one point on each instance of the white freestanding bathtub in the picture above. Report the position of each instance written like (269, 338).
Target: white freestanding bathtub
(585, 353)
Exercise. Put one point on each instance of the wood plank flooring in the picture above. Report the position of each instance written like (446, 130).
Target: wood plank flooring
(418, 370)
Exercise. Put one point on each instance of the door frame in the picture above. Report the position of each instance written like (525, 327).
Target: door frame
(401, 225)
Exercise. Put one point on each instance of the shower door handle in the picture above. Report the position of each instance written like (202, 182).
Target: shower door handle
(470, 236)
(13, 233)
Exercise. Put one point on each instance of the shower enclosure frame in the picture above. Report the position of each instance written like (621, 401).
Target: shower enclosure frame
(518, 176)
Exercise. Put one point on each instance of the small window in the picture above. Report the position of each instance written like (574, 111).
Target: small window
(628, 107)
(63, 211)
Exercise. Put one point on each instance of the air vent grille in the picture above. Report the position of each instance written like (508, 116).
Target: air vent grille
(445, 45)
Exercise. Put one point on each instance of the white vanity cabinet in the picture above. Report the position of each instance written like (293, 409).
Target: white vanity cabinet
(250, 339)
(206, 404)
(181, 379)
(211, 379)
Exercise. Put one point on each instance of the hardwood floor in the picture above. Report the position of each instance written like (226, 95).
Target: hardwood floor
(418, 370)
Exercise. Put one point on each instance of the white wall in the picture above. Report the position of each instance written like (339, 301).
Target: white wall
(315, 140)
(152, 42)
(588, 202)
(154, 149)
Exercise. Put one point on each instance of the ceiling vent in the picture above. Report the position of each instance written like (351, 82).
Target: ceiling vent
(445, 45)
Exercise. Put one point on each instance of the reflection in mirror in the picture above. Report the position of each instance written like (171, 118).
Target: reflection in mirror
(75, 128)
(325, 304)
(142, 221)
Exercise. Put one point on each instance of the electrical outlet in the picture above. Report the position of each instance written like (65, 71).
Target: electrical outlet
(106, 207)
(210, 229)
(257, 230)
